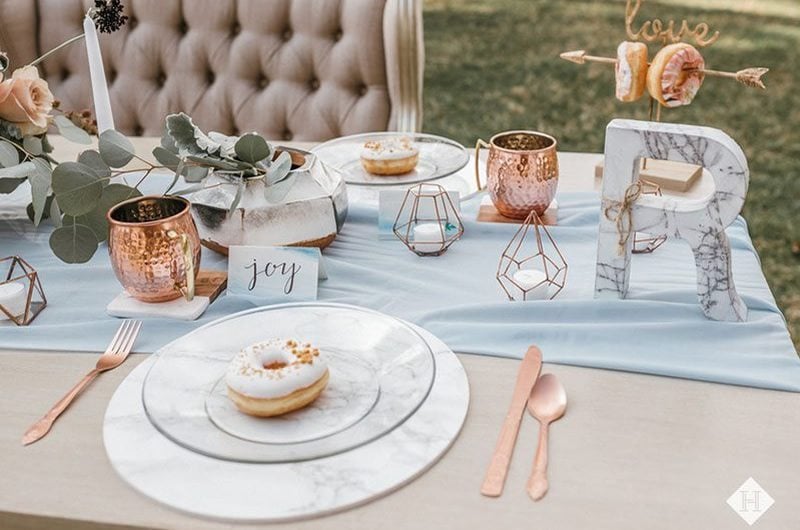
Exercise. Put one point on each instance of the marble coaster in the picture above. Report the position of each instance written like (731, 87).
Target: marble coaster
(125, 306)
(198, 484)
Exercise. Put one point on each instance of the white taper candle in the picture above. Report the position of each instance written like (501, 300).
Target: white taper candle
(102, 103)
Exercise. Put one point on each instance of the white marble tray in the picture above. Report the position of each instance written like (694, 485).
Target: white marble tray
(190, 482)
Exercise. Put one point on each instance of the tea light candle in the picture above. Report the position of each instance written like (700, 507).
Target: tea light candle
(12, 298)
(428, 237)
(534, 282)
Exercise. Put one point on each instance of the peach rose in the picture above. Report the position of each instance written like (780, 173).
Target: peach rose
(26, 101)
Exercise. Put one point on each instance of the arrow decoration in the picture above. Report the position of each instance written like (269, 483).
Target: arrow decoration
(749, 77)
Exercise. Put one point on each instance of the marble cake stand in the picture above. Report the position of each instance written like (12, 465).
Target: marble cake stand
(194, 483)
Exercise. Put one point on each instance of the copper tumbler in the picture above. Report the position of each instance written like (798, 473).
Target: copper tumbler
(521, 172)
(154, 247)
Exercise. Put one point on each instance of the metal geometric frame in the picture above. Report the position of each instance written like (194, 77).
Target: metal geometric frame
(514, 258)
(34, 286)
(444, 214)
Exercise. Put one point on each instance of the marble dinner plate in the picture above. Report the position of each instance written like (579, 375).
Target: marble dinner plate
(381, 370)
(439, 157)
(188, 481)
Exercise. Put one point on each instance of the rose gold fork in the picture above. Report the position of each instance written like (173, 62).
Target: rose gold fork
(115, 354)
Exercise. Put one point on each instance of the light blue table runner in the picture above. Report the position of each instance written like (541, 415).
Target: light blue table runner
(659, 329)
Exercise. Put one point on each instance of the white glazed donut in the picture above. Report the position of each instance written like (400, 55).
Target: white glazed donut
(393, 156)
(276, 376)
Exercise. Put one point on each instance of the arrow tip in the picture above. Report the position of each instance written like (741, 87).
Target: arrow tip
(751, 77)
(577, 56)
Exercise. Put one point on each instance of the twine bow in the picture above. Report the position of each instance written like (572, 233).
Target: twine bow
(621, 212)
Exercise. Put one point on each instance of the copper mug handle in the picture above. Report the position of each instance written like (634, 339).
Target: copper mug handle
(188, 264)
(479, 144)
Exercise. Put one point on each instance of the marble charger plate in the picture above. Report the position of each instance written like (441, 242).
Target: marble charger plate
(192, 482)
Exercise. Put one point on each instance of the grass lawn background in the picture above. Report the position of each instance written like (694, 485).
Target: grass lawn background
(493, 65)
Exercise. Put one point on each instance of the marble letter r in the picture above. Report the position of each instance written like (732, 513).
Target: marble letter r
(700, 222)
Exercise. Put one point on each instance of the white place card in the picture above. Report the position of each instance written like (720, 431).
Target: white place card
(390, 201)
(274, 274)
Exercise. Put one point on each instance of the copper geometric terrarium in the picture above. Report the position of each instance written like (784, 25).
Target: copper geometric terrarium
(428, 222)
(532, 267)
(21, 294)
(645, 243)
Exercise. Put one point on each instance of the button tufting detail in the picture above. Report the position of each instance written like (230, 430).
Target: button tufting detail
(183, 27)
(362, 89)
(313, 84)
(161, 79)
(210, 77)
(236, 29)
(263, 82)
(287, 135)
(287, 35)
(337, 36)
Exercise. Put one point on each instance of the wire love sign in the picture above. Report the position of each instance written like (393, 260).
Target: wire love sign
(701, 223)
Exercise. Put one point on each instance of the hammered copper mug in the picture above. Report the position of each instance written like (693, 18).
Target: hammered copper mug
(154, 247)
(521, 172)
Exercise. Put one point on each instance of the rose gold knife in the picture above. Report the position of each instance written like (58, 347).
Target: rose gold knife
(498, 468)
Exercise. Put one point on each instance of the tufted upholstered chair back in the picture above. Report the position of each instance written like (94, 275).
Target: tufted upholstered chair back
(289, 69)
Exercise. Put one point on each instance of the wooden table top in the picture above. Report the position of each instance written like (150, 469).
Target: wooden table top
(633, 451)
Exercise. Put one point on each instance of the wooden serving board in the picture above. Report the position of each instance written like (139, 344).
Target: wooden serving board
(210, 283)
(489, 214)
(675, 176)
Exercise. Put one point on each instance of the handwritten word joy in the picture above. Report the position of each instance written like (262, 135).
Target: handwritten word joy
(271, 269)
(655, 30)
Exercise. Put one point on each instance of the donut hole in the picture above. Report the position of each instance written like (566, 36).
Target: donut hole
(275, 365)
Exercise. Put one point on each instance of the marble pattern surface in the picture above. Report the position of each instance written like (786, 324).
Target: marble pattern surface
(194, 483)
(701, 223)
(186, 372)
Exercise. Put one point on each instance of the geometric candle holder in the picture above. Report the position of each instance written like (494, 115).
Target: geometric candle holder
(428, 222)
(21, 295)
(645, 243)
(532, 266)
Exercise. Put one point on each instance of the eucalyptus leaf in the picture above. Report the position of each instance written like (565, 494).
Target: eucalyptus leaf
(113, 194)
(116, 150)
(193, 174)
(251, 148)
(93, 159)
(166, 158)
(279, 168)
(33, 145)
(74, 243)
(22, 170)
(216, 163)
(7, 185)
(9, 156)
(72, 132)
(47, 209)
(55, 211)
(77, 186)
(40, 188)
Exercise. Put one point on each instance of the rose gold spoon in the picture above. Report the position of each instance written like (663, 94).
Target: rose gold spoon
(547, 403)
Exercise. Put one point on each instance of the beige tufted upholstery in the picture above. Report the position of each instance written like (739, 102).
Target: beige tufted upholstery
(289, 69)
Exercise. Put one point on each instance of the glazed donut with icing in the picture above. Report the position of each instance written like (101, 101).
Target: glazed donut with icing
(631, 70)
(674, 77)
(393, 156)
(276, 376)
